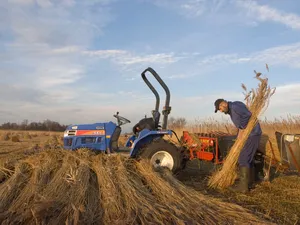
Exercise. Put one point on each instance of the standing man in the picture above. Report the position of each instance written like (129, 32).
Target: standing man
(240, 116)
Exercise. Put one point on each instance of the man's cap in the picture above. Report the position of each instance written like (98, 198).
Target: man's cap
(217, 103)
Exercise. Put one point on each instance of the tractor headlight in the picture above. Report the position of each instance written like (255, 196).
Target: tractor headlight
(66, 133)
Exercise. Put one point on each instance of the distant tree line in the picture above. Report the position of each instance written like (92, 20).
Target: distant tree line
(49, 125)
(46, 125)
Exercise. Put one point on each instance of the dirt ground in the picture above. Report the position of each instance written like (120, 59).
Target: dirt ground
(277, 200)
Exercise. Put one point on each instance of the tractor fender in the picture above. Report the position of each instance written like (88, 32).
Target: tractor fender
(146, 136)
(130, 141)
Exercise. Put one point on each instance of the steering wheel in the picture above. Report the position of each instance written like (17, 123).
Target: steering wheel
(121, 120)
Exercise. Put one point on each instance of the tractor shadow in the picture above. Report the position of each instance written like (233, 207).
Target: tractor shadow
(196, 175)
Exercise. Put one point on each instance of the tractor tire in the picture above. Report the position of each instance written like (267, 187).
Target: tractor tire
(163, 154)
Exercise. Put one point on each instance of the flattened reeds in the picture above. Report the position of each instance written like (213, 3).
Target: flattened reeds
(257, 101)
(62, 187)
(186, 206)
(13, 187)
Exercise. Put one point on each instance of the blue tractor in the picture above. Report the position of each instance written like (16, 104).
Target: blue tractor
(147, 141)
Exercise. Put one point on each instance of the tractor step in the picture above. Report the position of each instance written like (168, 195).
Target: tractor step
(123, 149)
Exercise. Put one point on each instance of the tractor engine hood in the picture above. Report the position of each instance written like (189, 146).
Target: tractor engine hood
(88, 129)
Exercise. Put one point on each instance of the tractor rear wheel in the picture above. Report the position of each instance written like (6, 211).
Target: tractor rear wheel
(163, 154)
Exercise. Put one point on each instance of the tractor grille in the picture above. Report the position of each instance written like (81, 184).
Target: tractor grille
(71, 132)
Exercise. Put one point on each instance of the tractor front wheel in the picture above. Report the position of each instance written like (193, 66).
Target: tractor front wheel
(163, 154)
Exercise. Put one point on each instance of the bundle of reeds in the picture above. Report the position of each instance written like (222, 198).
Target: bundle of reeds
(4, 137)
(53, 142)
(257, 102)
(27, 135)
(15, 138)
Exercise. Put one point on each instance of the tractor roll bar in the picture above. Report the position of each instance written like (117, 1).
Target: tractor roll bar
(152, 89)
(167, 109)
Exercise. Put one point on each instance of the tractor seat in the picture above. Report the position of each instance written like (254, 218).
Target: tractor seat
(115, 138)
(156, 117)
(149, 123)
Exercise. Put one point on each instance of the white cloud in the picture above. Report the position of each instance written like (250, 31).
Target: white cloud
(77, 96)
(22, 2)
(124, 57)
(110, 53)
(132, 64)
(66, 50)
(229, 11)
(209, 99)
(162, 58)
(41, 3)
(219, 59)
(17, 94)
(48, 3)
(48, 40)
(286, 96)
(101, 95)
(55, 76)
(68, 3)
(44, 3)
(286, 55)
(191, 8)
(266, 13)
(281, 55)
(179, 76)
(59, 96)
(285, 101)
(43, 43)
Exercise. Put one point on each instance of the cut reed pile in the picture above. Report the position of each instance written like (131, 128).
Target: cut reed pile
(257, 102)
(27, 135)
(52, 142)
(57, 187)
(5, 137)
(15, 138)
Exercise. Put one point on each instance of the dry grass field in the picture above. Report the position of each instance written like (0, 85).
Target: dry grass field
(42, 184)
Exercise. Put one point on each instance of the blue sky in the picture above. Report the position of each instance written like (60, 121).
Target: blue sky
(79, 61)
